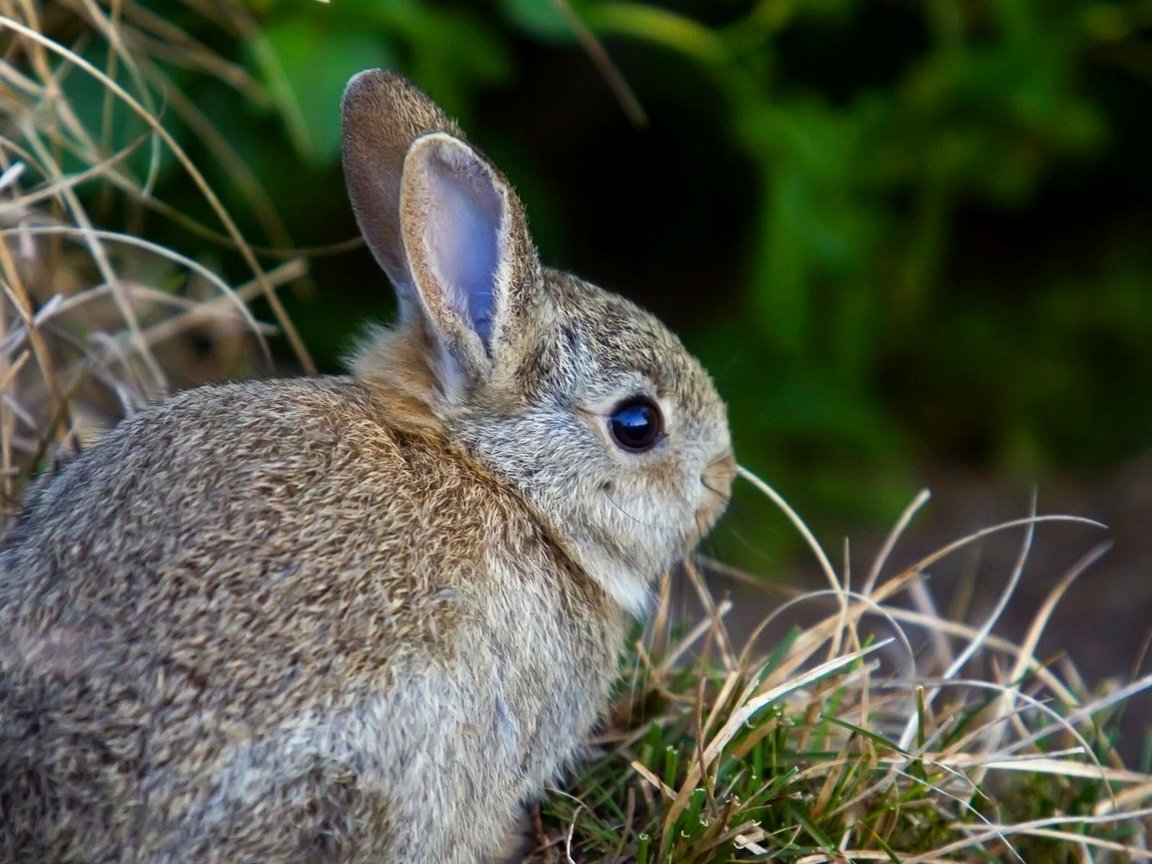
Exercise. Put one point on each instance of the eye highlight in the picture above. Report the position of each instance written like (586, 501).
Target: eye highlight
(636, 424)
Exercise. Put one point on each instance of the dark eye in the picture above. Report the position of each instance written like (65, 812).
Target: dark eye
(636, 424)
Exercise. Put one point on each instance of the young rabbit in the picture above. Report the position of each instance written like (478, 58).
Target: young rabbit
(361, 618)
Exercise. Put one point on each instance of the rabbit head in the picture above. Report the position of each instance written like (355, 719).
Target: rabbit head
(583, 402)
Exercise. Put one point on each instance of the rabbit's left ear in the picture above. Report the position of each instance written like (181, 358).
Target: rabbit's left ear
(471, 259)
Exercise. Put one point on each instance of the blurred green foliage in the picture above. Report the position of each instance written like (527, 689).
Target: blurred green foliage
(896, 231)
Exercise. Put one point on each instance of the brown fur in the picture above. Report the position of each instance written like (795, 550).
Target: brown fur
(266, 609)
(352, 619)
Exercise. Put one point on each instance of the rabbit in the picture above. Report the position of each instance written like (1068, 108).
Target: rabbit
(363, 618)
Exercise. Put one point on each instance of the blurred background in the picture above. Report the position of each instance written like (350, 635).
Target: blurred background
(911, 240)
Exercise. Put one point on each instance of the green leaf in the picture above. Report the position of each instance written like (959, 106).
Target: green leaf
(544, 20)
(305, 67)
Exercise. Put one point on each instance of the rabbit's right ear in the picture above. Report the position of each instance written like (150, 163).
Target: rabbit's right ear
(383, 115)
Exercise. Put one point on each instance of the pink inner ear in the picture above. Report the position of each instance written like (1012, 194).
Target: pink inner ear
(462, 234)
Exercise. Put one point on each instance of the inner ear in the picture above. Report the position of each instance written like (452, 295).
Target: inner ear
(462, 235)
(454, 210)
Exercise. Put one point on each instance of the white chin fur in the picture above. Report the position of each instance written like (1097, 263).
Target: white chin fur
(623, 584)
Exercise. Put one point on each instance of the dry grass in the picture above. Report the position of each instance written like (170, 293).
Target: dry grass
(886, 732)
(95, 319)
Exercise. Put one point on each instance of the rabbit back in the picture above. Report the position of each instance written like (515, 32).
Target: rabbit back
(259, 622)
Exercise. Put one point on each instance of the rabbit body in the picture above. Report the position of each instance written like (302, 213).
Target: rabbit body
(359, 618)
(312, 669)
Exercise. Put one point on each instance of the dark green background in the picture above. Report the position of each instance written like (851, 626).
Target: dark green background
(900, 234)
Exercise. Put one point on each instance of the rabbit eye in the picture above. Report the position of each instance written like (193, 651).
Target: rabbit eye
(636, 424)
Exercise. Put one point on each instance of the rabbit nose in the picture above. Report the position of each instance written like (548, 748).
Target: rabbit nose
(720, 472)
(717, 483)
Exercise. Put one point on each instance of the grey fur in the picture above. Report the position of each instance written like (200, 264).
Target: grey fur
(361, 618)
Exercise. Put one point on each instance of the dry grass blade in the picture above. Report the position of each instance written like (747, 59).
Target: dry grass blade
(95, 318)
(793, 757)
(162, 133)
(623, 91)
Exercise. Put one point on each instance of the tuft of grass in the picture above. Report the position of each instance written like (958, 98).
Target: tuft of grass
(95, 318)
(885, 732)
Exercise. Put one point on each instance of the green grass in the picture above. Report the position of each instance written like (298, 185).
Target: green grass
(885, 732)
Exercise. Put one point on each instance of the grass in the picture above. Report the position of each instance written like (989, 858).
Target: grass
(884, 732)
(95, 319)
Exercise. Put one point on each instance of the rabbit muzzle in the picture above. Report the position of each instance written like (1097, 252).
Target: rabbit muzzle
(717, 481)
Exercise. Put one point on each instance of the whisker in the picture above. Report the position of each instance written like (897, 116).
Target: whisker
(635, 519)
(717, 492)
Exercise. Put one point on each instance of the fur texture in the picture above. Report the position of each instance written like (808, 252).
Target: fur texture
(361, 618)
